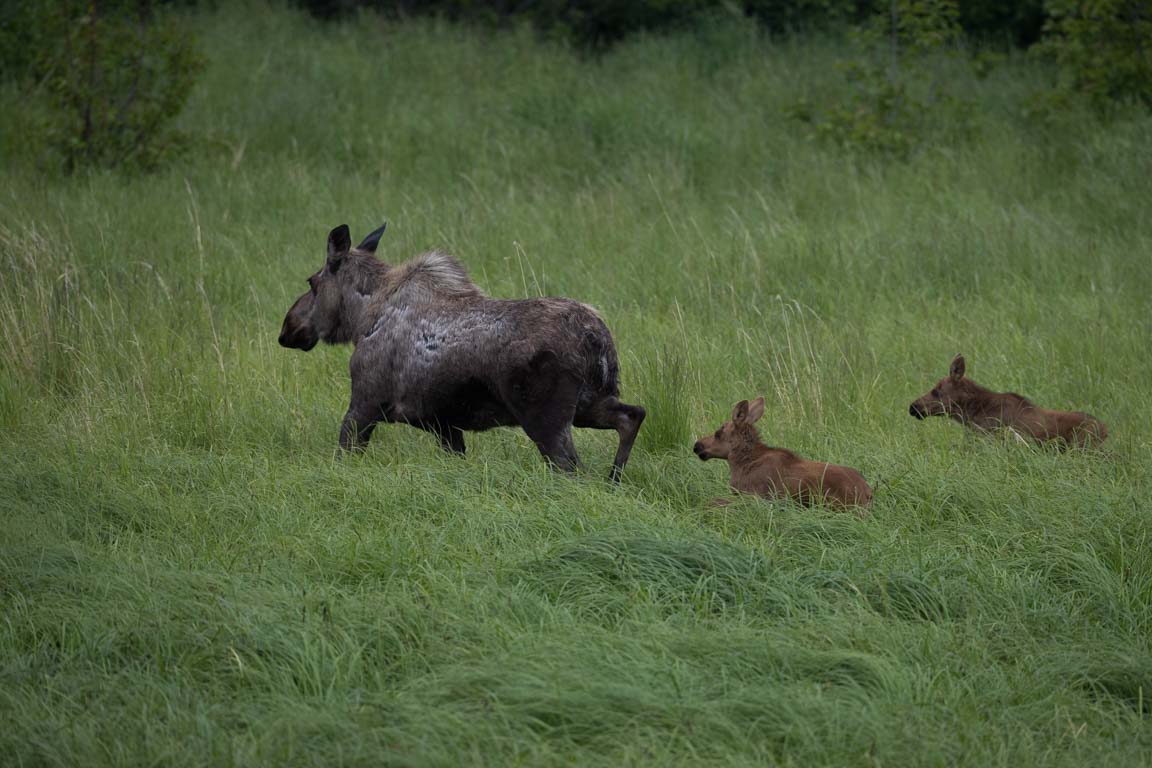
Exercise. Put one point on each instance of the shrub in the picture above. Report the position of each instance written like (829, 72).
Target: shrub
(1103, 48)
(897, 91)
(117, 75)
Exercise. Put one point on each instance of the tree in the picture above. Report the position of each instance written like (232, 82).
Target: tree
(118, 73)
(1103, 48)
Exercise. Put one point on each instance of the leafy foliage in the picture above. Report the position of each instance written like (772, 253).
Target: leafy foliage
(1104, 49)
(118, 75)
(897, 93)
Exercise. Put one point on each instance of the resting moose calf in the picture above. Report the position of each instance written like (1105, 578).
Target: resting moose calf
(975, 407)
(776, 472)
(434, 352)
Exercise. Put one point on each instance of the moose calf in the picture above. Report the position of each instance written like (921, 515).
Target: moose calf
(776, 472)
(975, 407)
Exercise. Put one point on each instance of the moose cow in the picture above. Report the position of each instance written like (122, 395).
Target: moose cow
(981, 409)
(435, 352)
(777, 472)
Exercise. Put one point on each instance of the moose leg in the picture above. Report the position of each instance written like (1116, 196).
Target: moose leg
(550, 427)
(555, 445)
(356, 430)
(451, 438)
(543, 401)
(610, 413)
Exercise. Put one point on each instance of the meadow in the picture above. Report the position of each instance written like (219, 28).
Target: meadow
(190, 576)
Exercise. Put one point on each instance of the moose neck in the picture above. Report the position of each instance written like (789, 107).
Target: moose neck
(977, 402)
(360, 306)
(746, 447)
(358, 316)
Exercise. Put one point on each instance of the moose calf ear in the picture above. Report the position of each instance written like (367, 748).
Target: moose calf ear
(740, 412)
(956, 371)
(756, 410)
(339, 242)
(370, 242)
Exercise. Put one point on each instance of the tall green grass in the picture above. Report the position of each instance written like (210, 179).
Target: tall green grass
(189, 576)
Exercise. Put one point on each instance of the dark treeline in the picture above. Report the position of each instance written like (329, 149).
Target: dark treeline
(596, 23)
(107, 78)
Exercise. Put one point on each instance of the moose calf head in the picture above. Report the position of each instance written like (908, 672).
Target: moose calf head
(738, 431)
(948, 396)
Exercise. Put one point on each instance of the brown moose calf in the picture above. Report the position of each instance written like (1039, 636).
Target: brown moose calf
(776, 473)
(977, 408)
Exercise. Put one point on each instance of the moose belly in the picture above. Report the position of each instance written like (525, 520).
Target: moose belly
(473, 407)
(469, 406)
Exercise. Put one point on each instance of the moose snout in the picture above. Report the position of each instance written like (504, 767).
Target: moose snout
(295, 338)
(291, 340)
(917, 410)
(698, 449)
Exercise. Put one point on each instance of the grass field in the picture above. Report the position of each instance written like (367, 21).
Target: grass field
(188, 575)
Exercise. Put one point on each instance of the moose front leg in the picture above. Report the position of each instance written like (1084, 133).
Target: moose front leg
(451, 438)
(356, 430)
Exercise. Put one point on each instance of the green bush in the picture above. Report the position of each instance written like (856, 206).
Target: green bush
(897, 90)
(1103, 48)
(117, 76)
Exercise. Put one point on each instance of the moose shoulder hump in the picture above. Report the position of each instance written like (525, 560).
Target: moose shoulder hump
(430, 275)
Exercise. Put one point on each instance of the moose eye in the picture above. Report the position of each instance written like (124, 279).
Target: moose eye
(717, 435)
(935, 393)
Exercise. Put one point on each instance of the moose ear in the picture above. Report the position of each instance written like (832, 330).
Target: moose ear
(370, 242)
(755, 410)
(339, 242)
(956, 371)
(740, 412)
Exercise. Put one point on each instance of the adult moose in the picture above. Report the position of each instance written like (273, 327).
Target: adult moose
(434, 352)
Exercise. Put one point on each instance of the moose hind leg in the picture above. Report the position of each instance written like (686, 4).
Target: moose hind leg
(610, 413)
(551, 429)
(543, 400)
(556, 447)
